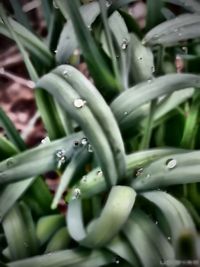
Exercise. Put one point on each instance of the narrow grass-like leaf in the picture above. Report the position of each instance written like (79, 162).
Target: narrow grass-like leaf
(47, 226)
(7, 149)
(36, 161)
(175, 169)
(59, 241)
(124, 105)
(67, 97)
(34, 45)
(170, 32)
(50, 115)
(47, 11)
(42, 197)
(19, 14)
(68, 40)
(68, 258)
(141, 60)
(20, 232)
(120, 246)
(100, 231)
(100, 110)
(154, 14)
(144, 235)
(94, 182)
(11, 131)
(173, 211)
(79, 159)
(11, 193)
(97, 65)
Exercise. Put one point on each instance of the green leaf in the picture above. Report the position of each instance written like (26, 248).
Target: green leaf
(101, 230)
(94, 182)
(19, 14)
(170, 32)
(48, 225)
(141, 60)
(124, 105)
(7, 149)
(36, 160)
(175, 169)
(89, 13)
(66, 95)
(122, 249)
(20, 232)
(59, 241)
(144, 235)
(34, 45)
(68, 258)
(173, 211)
(11, 193)
(11, 131)
(97, 65)
(79, 159)
(154, 14)
(100, 110)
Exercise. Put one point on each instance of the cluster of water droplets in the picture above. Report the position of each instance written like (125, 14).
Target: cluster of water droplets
(60, 157)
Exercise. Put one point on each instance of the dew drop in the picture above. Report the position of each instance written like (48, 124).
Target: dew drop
(149, 80)
(84, 141)
(89, 27)
(79, 103)
(124, 44)
(185, 49)
(60, 157)
(45, 140)
(156, 222)
(179, 34)
(10, 162)
(148, 176)
(140, 58)
(84, 179)
(66, 73)
(56, 51)
(76, 193)
(169, 238)
(171, 163)
(76, 143)
(99, 173)
(125, 113)
(89, 148)
(117, 260)
(155, 36)
(139, 172)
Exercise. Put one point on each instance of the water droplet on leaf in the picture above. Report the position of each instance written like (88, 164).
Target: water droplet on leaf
(76, 193)
(89, 148)
(171, 163)
(60, 157)
(79, 103)
(169, 238)
(10, 162)
(124, 44)
(99, 173)
(139, 172)
(84, 141)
